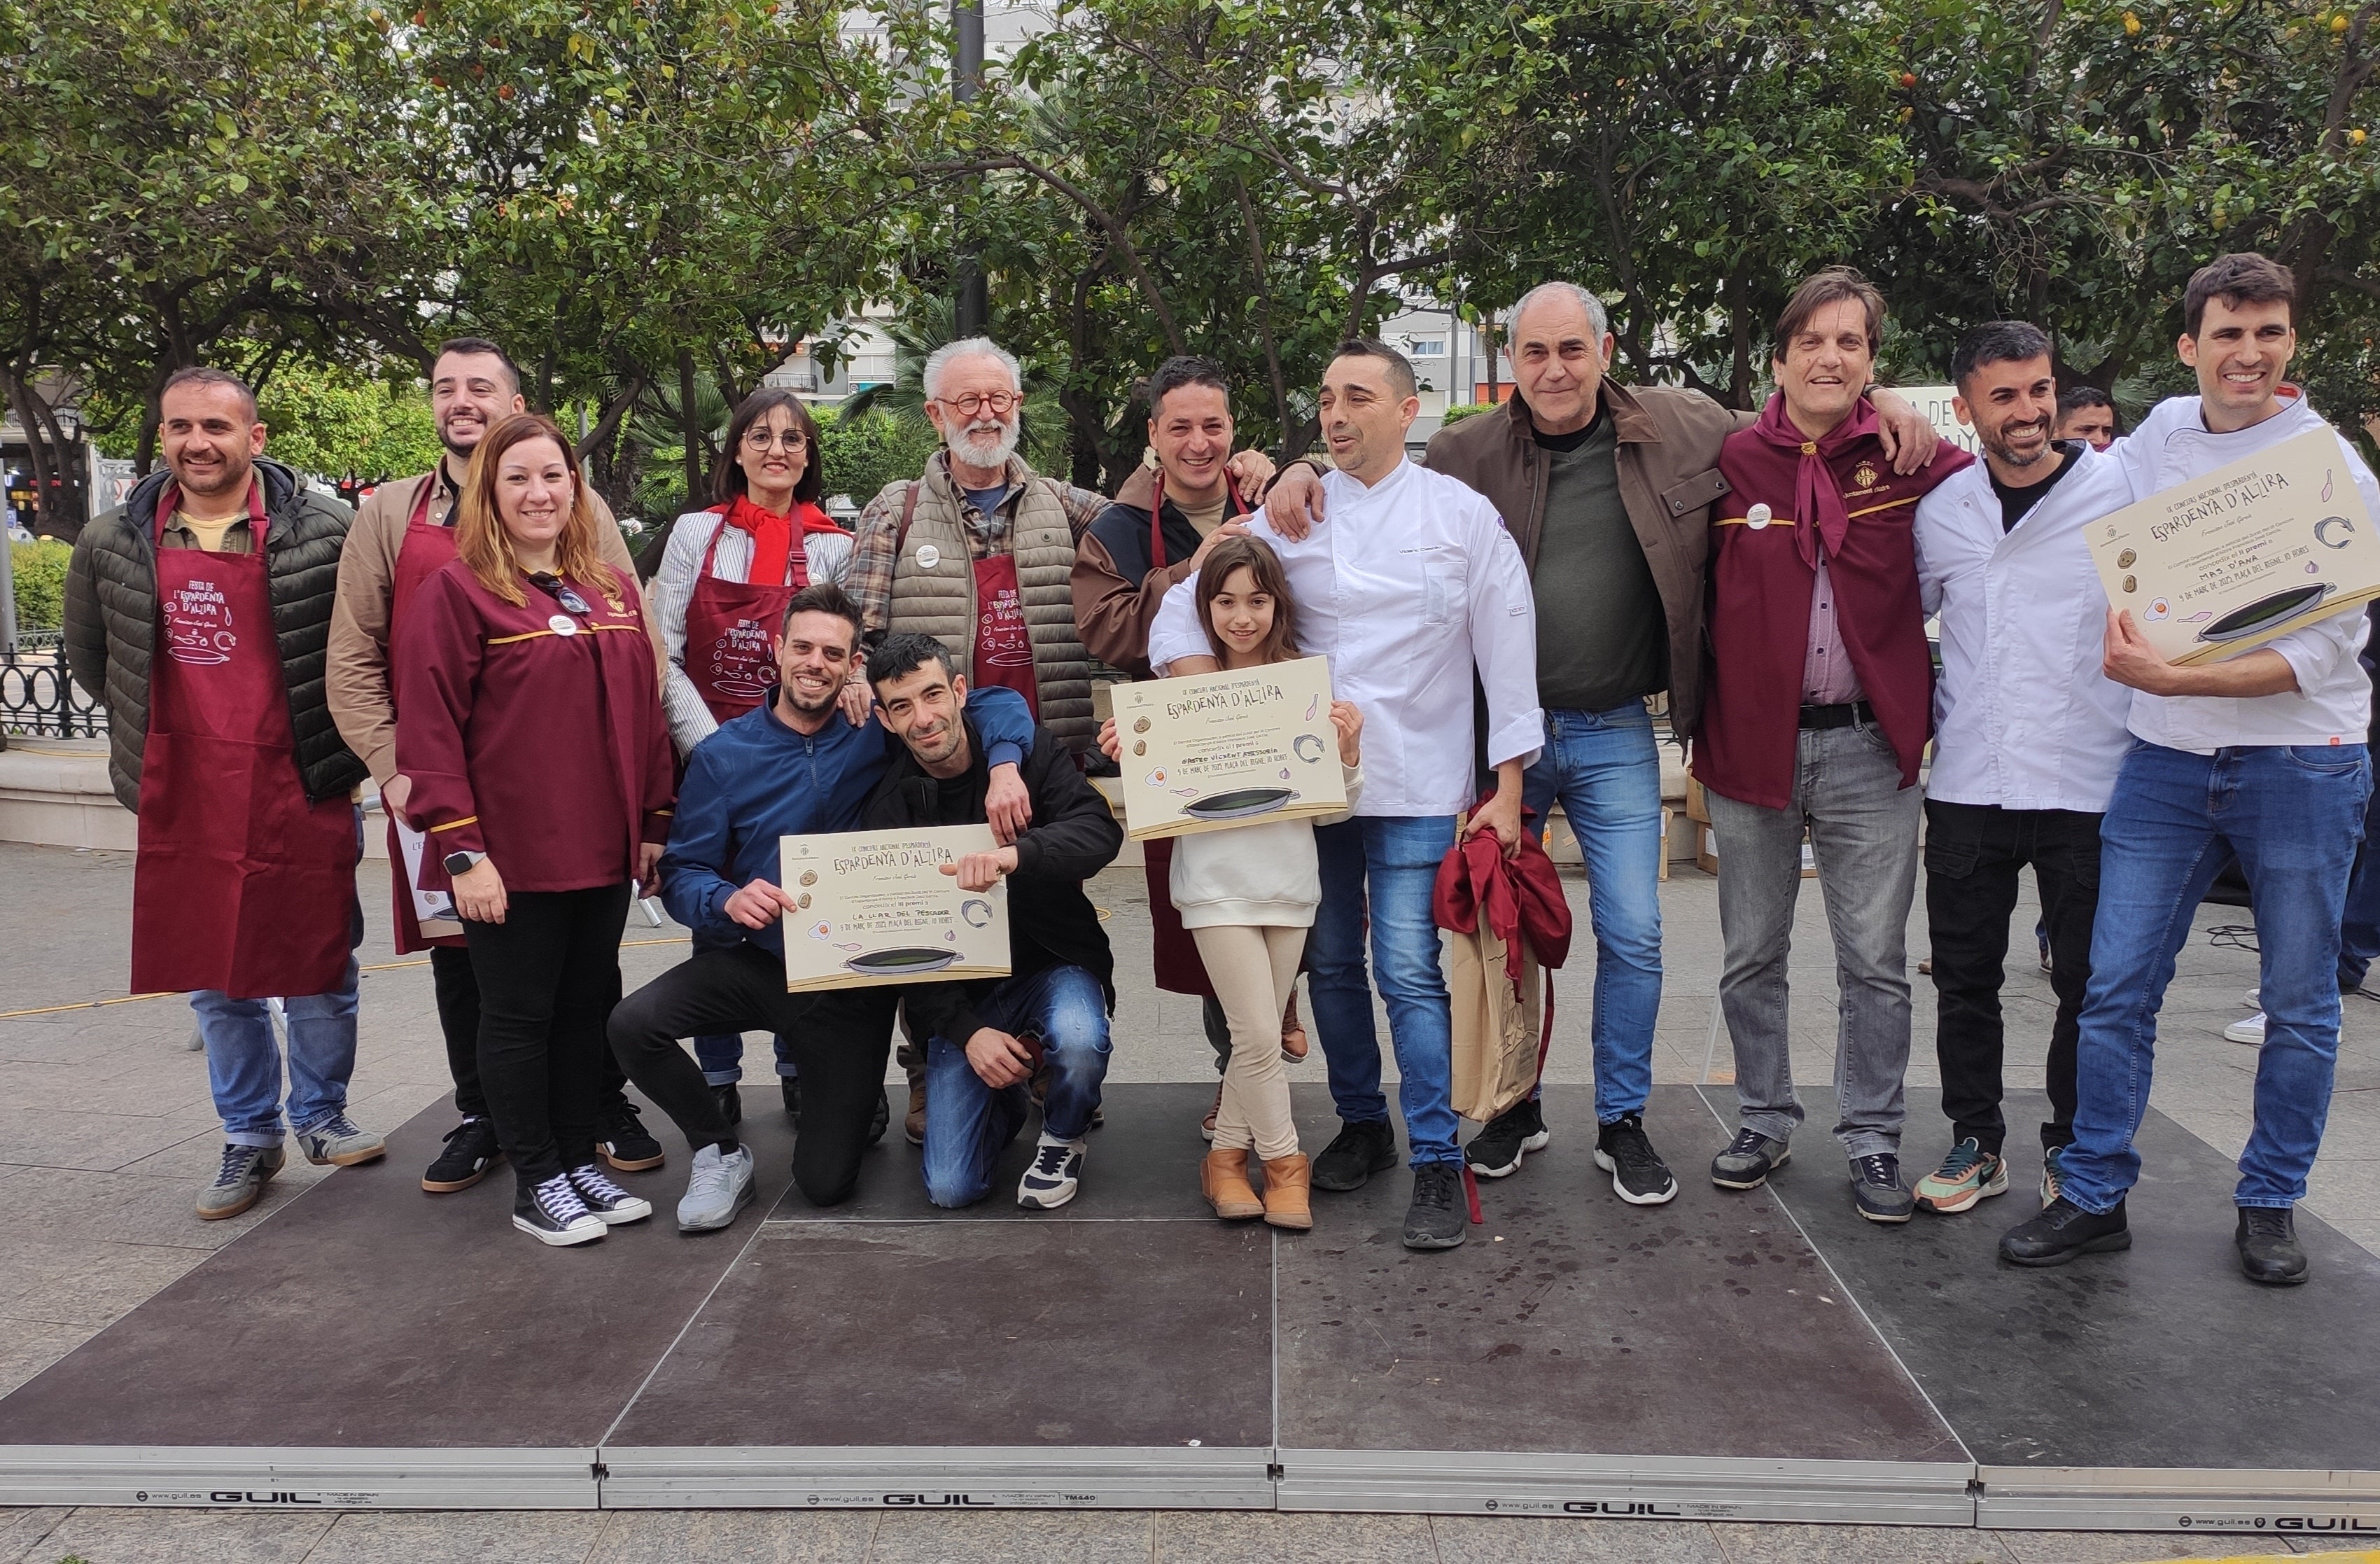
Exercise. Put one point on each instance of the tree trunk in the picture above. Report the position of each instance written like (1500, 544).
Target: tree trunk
(47, 495)
(1259, 281)
(1488, 339)
(690, 425)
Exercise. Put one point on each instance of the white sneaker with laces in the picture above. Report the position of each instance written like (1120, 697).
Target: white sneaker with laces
(1052, 1179)
(2251, 1031)
(722, 1186)
(2253, 1000)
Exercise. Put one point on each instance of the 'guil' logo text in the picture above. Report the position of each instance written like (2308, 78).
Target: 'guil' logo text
(954, 1500)
(1607, 1506)
(2323, 1523)
(235, 1496)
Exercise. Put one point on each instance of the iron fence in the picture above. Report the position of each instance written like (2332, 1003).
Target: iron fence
(37, 697)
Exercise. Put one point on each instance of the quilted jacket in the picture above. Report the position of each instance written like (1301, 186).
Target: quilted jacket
(111, 623)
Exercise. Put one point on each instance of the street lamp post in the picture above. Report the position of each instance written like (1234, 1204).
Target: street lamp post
(972, 309)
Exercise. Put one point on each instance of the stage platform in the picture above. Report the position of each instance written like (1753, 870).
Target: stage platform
(1762, 1356)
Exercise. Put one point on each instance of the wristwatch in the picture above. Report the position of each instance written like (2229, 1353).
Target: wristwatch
(463, 863)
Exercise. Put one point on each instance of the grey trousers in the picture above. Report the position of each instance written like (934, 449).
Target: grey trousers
(1863, 827)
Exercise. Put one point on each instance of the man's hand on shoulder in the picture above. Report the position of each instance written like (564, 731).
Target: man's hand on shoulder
(1293, 503)
(1908, 436)
(1008, 805)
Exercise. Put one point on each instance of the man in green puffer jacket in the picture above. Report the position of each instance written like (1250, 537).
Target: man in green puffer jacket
(244, 891)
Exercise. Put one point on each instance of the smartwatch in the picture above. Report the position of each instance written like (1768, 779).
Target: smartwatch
(463, 863)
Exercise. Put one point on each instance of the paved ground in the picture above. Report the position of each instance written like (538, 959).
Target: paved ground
(105, 1132)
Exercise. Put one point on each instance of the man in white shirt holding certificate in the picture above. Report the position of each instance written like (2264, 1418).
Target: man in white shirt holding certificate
(2263, 753)
(2028, 735)
(1408, 584)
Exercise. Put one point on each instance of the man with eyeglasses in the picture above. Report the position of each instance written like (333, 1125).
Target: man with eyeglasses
(979, 551)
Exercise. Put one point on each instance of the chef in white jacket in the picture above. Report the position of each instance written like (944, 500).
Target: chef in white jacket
(2028, 733)
(1408, 586)
(2262, 755)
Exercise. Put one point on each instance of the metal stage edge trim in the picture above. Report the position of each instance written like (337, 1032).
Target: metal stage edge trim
(1871, 1493)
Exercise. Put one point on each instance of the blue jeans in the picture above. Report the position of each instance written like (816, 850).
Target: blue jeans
(2358, 929)
(721, 1058)
(969, 1123)
(2293, 814)
(244, 1060)
(1605, 767)
(1396, 860)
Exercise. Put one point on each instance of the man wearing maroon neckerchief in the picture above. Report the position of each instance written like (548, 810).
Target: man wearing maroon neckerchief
(1814, 715)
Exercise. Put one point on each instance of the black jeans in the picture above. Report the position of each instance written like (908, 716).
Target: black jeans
(1973, 853)
(840, 1041)
(549, 976)
(457, 989)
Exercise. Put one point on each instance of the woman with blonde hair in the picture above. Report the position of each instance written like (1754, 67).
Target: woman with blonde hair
(529, 720)
(1247, 896)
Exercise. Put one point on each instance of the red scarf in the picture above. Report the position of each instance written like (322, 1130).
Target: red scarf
(1816, 497)
(773, 534)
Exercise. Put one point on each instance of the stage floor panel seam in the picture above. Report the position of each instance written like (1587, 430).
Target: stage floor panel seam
(1702, 1095)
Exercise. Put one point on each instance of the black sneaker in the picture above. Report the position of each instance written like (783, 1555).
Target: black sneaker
(2269, 1251)
(553, 1213)
(2063, 1230)
(611, 1204)
(624, 1144)
(1876, 1186)
(882, 1120)
(1439, 1212)
(1495, 1151)
(1638, 1174)
(731, 1104)
(1359, 1151)
(470, 1151)
(1748, 1161)
(790, 1087)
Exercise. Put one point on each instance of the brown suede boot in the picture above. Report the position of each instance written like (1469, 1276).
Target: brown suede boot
(1289, 1181)
(1224, 1176)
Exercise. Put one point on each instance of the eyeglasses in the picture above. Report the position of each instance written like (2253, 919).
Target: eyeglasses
(790, 441)
(996, 403)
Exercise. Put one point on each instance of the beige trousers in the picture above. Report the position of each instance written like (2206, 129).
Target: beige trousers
(1253, 969)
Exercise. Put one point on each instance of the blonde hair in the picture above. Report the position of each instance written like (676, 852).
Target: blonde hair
(479, 536)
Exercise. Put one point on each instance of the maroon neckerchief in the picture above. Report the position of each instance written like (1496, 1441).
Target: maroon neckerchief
(1817, 497)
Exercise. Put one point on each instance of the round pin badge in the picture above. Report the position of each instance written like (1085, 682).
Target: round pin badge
(929, 556)
(1757, 517)
(563, 625)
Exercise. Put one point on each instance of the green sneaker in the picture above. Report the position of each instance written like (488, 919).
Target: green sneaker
(239, 1182)
(2053, 1182)
(1967, 1175)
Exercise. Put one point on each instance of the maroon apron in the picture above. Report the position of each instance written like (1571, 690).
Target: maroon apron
(424, 550)
(1003, 647)
(1179, 968)
(729, 625)
(241, 884)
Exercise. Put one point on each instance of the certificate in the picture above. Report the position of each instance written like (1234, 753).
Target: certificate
(1218, 751)
(2223, 563)
(874, 906)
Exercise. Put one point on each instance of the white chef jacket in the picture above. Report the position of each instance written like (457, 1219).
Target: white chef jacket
(1406, 587)
(2333, 701)
(2024, 718)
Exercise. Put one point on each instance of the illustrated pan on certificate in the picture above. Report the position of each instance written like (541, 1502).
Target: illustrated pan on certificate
(1216, 750)
(2223, 563)
(874, 907)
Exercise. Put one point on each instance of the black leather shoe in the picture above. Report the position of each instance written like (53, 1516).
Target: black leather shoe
(2269, 1252)
(792, 1086)
(731, 1103)
(1358, 1152)
(2063, 1230)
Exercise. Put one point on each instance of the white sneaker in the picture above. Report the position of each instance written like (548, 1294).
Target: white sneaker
(2253, 1000)
(722, 1186)
(1052, 1179)
(2251, 1031)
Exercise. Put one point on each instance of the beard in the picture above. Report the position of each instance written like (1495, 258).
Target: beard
(984, 444)
(1998, 445)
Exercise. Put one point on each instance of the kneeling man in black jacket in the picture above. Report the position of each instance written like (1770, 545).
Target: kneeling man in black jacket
(986, 1041)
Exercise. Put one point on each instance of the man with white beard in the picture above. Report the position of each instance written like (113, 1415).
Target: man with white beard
(979, 551)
